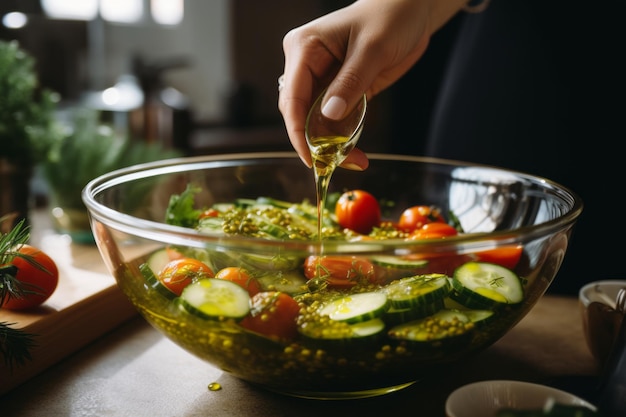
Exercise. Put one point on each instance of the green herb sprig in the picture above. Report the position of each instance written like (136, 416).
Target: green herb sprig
(15, 344)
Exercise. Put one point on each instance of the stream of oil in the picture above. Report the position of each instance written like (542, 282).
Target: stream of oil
(327, 152)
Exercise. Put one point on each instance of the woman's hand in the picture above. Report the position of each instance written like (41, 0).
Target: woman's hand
(362, 48)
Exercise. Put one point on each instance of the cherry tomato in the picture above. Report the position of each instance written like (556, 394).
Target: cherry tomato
(179, 273)
(358, 210)
(339, 271)
(417, 216)
(38, 280)
(507, 256)
(209, 213)
(273, 314)
(435, 230)
(241, 277)
(441, 263)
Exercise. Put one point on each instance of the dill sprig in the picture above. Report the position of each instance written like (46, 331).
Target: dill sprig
(15, 344)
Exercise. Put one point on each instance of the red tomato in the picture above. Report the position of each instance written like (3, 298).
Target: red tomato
(339, 271)
(37, 281)
(273, 314)
(241, 277)
(179, 273)
(507, 256)
(209, 213)
(358, 210)
(435, 230)
(417, 216)
(441, 263)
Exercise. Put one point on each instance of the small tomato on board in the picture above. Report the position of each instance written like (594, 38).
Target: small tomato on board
(339, 271)
(435, 230)
(241, 277)
(416, 217)
(38, 277)
(273, 314)
(358, 210)
(179, 273)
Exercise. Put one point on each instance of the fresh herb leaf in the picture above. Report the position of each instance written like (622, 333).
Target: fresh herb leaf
(181, 211)
(15, 345)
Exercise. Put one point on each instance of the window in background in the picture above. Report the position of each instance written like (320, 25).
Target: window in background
(121, 11)
(164, 12)
(167, 12)
(71, 9)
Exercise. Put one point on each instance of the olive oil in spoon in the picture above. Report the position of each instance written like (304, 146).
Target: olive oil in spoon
(330, 142)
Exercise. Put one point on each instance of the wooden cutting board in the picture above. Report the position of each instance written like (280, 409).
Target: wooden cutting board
(86, 304)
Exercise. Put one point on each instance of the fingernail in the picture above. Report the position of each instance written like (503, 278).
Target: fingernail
(352, 166)
(334, 108)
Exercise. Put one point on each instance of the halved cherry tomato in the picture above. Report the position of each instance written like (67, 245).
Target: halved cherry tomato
(38, 277)
(209, 213)
(435, 230)
(179, 273)
(273, 314)
(417, 216)
(241, 277)
(507, 256)
(441, 263)
(339, 271)
(358, 210)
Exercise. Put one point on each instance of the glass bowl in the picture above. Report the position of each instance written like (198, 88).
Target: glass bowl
(399, 315)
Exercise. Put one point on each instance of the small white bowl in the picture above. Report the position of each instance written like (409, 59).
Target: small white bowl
(486, 398)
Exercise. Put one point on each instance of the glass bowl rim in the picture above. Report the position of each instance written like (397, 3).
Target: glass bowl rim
(186, 236)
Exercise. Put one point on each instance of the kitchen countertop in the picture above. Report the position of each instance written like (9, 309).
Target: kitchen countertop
(134, 371)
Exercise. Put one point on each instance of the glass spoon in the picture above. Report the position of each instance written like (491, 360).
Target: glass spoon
(330, 142)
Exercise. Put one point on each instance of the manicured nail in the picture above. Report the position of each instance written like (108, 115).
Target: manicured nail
(334, 108)
(352, 166)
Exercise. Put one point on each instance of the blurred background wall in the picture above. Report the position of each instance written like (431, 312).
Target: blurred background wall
(219, 66)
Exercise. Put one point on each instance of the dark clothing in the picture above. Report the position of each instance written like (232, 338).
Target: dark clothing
(534, 86)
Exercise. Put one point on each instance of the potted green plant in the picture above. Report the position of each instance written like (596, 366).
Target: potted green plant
(88, 148)
(27, 128)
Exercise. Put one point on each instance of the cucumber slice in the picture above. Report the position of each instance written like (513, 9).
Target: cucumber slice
(216, 299)
(290, 282)
(343, 335)
(484, 285)
(270, 262)
(356, 308)
(158, 259)
(154, 283)
(445, 325)
(389, 261)
(480, 317)
(418, 290)
(395, 316)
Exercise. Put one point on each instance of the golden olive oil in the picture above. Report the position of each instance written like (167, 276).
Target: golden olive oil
(327, 152)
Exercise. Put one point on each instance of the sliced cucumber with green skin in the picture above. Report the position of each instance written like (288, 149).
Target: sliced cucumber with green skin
(270, 262)
(443, 326)
(290, 282)
(154, 283)
(480, 317)
(216, 299)
(395, 316)
(484, 285)
(418, 290)
(344, 335)
(211, 226)
(390, 261)
(158, 259)
(356, 308)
